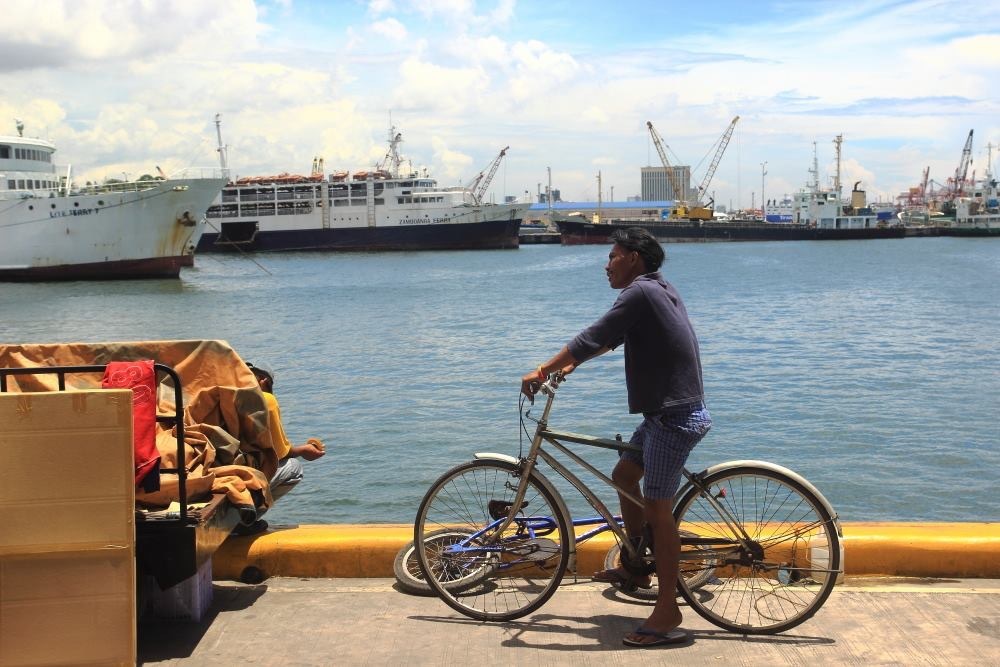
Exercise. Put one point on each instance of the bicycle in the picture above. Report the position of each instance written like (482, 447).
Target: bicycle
(767, 539)
(410, 577)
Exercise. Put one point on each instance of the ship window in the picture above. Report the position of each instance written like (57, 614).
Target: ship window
(379, 201)
(20, 184)
(340, 202)
(11, 184)
(265, 209)
(4, 152)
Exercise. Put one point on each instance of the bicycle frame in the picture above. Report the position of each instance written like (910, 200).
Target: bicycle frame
(555, 438)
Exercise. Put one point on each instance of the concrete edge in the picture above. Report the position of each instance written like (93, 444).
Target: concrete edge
(936, 550)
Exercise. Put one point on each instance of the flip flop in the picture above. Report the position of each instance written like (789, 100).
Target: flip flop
(615, 577)
(671, 638)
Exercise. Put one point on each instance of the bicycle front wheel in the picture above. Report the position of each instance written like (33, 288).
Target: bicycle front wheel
(511, 573)
(773, 550)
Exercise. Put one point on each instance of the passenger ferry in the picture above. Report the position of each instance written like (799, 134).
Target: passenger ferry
(50, 229)
(378, 209)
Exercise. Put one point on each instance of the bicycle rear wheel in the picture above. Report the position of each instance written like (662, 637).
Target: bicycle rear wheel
(410, 577)
(778, 578)
(511, 574)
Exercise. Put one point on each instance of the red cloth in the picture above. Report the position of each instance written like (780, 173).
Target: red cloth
(140, 377)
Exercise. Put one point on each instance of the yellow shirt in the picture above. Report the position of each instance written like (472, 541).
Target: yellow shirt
(278, 439)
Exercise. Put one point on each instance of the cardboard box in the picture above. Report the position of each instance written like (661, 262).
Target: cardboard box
(67, 533)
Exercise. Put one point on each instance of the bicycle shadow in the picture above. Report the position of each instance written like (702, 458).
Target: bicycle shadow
(605, 633)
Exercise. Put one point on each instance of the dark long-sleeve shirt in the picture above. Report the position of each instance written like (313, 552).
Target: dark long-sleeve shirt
(662, 362)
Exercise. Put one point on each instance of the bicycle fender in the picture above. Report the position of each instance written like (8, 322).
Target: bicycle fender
(543, 480)
(767, 465)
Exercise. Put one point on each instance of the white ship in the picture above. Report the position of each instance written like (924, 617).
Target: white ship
(380, 209)
(979, 213)
(51, 230)
(823, 209)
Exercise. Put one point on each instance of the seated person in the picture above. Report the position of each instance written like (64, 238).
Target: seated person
(289, 471)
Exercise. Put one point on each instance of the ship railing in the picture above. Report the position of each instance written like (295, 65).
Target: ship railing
(201, 173)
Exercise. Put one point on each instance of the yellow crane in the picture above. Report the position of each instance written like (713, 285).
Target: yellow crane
(683, 210)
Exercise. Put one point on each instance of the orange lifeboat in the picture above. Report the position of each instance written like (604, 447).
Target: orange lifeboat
(338, 176)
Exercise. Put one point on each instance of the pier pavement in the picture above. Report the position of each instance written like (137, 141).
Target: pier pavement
(364, 621)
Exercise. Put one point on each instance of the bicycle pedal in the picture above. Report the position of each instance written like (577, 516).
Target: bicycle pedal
(499, 509)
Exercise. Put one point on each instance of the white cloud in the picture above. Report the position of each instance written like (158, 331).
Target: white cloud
(114, 32)
(446, 90)
(391, 29)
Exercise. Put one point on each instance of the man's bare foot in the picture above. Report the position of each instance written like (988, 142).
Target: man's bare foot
(658, 626)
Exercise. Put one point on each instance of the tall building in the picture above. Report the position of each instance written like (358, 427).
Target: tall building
(656, 186)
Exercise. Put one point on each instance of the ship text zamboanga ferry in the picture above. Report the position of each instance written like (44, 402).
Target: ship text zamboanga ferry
(378, 209)
(50, 229)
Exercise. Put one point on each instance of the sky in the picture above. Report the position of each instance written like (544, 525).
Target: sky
(124, 86)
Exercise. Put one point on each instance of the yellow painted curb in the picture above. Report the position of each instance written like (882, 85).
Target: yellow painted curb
(965, 550)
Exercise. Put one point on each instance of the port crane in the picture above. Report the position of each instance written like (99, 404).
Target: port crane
(675, 184)
(481, 183)
(958, 183)
(723, 143)
(683, 210)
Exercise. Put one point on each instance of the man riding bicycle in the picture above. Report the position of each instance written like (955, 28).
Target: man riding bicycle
(664, 383)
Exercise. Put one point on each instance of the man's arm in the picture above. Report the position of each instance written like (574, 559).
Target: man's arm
(563, 360)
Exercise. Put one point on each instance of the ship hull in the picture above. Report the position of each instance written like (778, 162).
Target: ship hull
(145, 233)
(577, 233)
(484, 235)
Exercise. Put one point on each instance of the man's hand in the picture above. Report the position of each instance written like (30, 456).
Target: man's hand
(310, 451)
(530, 384)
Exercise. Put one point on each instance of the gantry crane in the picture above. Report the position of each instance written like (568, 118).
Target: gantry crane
(481, 182)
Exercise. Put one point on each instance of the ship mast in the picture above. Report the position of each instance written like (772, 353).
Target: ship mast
(221, 148)
(838, 140)
(815, 171)
(392, 159)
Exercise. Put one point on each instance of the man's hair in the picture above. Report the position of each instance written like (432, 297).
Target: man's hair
(642, 242)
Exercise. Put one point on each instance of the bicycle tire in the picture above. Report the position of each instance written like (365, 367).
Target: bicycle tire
(792, 566)
(697, 575)
(409, 576)
(516, 572)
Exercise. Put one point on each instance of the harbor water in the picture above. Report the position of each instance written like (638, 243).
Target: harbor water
(870, 367)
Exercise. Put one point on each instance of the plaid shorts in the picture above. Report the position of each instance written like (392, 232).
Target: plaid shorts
(667, 439)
